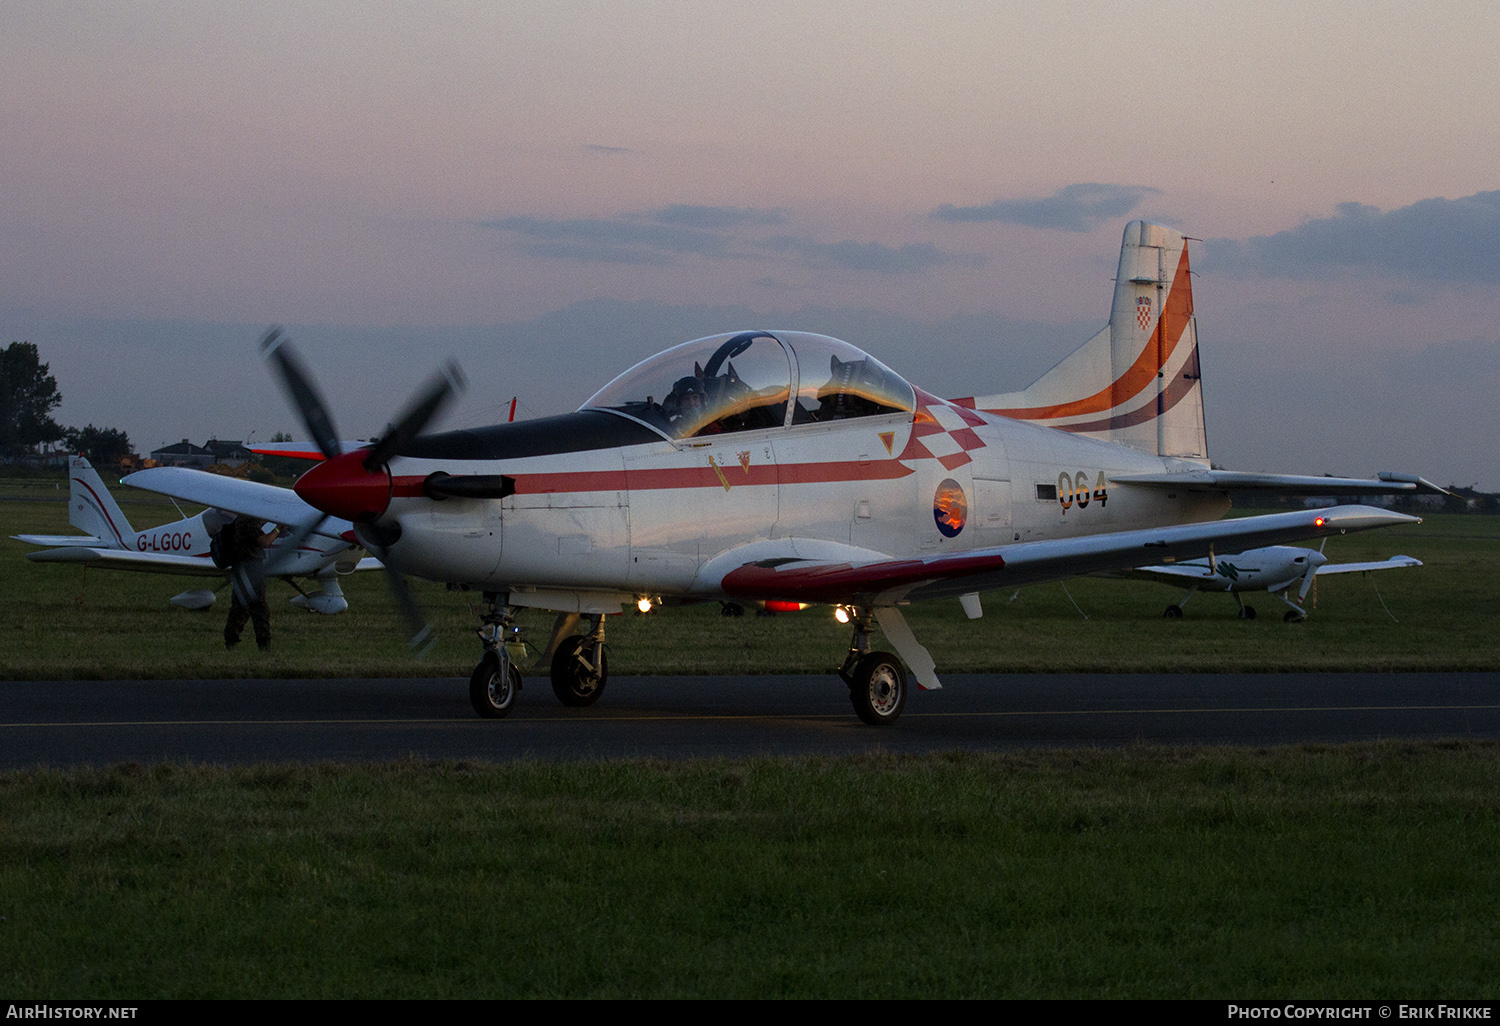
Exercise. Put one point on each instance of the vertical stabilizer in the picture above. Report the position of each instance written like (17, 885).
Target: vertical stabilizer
(1137, 381)
(92, 509)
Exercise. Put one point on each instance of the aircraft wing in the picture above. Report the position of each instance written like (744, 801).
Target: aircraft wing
(1354, 568)
(885, 582)
(300, 450)
(126, 559)
(1163, 574)
(1384, 483)
(280, 505)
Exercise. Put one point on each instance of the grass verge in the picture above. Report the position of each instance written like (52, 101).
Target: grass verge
(1319, 872)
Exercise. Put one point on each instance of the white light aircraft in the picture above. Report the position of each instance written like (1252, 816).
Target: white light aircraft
(182, 547)
(793, 467)
(1276, 569)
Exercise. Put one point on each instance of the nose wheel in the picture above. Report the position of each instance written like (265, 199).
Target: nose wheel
(493, 687)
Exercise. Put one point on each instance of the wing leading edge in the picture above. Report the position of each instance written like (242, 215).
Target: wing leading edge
(889, 581)
(1385, 483)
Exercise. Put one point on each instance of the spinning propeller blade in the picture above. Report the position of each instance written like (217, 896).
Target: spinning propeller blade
(440, 388)
(298, 384)
(299, 388)
(285, 554)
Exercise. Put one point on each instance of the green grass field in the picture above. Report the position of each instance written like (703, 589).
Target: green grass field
(65, 622)
(1359, 871)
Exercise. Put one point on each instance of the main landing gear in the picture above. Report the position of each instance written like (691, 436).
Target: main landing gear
(877, 680)
(580, 667)
(578, 662)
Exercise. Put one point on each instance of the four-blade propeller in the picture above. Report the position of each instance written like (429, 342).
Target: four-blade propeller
(360, 491)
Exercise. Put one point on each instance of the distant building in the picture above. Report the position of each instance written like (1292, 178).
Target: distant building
(214, 451)
(184, 454)
(230, 454)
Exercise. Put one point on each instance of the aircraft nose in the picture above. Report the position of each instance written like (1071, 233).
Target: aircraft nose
(344, 488)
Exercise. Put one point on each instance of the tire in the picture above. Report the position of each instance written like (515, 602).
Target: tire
(878, 691)
(1248, 614)
(1173, 613)
(573, 683)
(1294, 617)
(490, 697)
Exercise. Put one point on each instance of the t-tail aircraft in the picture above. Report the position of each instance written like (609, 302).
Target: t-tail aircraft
(785, 466)
(1278, 569)
(182, 547)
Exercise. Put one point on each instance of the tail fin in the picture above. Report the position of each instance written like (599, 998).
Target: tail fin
(92, 509)
(1137, 381)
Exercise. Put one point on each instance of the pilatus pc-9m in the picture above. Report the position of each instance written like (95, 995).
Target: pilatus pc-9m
(783, 466)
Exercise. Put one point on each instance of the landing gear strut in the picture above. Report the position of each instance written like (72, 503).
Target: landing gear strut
(877, 681)
(580, 667)
(496, 681)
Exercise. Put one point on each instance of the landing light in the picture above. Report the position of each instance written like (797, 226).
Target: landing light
(643, 604)
(841, 614)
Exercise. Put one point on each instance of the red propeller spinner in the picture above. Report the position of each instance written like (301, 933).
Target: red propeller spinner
(344, 488)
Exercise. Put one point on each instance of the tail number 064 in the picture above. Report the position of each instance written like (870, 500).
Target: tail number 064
(1073, 488)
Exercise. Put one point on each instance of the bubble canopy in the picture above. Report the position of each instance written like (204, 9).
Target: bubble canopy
(743, 382)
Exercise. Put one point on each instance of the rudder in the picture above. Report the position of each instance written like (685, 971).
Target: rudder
(92, 509)
(1137, 382)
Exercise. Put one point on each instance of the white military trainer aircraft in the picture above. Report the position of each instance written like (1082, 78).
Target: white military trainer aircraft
(182, 547)
(792, 467)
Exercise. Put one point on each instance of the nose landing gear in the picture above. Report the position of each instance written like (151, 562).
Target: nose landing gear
(496, 681)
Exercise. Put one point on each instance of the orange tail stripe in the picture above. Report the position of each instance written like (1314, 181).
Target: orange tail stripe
(1140, 374)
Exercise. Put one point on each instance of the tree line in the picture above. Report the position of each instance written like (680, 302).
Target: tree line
(28, 395)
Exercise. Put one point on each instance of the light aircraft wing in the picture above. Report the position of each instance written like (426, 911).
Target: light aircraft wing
(1393, 563)
(889, 581)
(1163, 574)
(1384, 483)
(280, 505)
(126, 559)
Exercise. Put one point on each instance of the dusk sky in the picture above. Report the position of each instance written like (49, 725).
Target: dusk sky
(551, 191)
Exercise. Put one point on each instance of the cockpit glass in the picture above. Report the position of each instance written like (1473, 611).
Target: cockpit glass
(713, 386)
(839, 381)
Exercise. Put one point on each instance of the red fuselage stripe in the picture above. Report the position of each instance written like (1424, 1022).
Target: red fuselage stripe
(732, 474)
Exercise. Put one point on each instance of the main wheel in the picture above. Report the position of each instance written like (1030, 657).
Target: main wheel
(1292, 616)
(574, 681)
(1248, 613)
(878, 689)
(491, 694)
(1173, 613)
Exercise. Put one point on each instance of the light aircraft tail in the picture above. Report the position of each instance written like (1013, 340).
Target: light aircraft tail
(92, 509)
(1137, 381)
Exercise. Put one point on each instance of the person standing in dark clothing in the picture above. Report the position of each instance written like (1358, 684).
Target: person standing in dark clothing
(247, 545)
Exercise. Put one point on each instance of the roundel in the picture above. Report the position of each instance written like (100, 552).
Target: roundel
(950, 508)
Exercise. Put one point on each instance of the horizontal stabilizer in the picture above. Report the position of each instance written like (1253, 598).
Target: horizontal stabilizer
(61, 540)
(127, 559)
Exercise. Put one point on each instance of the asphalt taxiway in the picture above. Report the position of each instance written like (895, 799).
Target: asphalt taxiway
(100, 723)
